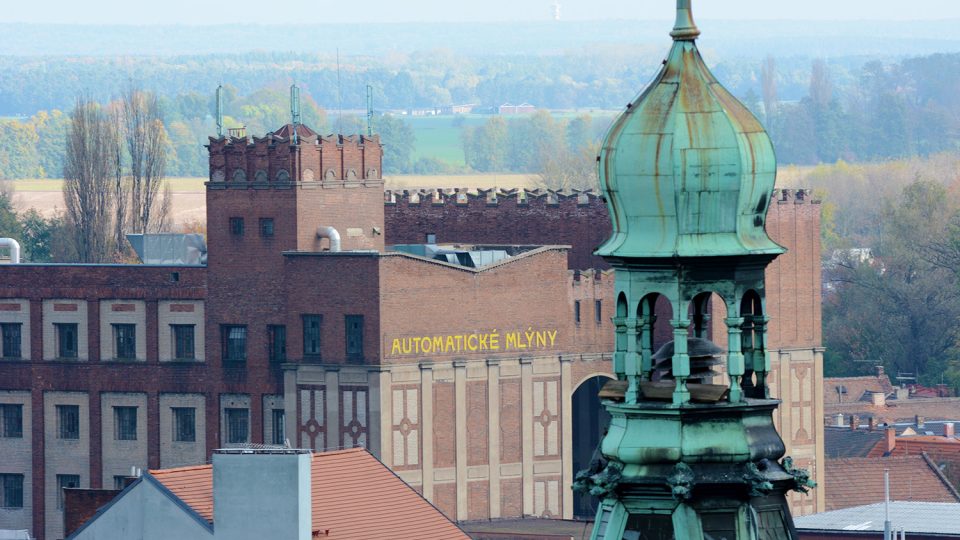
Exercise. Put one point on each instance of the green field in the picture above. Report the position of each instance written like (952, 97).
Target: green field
(439, 137)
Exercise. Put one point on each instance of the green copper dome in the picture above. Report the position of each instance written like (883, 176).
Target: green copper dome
(687, 170)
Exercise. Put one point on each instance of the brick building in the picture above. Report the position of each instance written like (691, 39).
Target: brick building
(467, 369)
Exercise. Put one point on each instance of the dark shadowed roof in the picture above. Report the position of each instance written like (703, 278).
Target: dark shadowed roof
(843, 442)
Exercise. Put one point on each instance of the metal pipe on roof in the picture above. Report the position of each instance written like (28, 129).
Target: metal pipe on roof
(332, 234)
(887, 532)
(14, 249)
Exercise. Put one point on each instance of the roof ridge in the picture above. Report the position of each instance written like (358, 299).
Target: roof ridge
(936, 470)
(181, 469)
(316, 455)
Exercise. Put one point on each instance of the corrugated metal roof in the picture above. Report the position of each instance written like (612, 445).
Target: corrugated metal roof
(913, 517)
(354, 495)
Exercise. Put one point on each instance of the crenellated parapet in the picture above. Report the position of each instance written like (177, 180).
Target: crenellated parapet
(294, 155)
(492, 197)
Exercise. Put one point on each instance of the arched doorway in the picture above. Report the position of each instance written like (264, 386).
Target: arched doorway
(590, 421)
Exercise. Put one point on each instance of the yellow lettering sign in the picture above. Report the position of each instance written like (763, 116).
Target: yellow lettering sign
(516, 340)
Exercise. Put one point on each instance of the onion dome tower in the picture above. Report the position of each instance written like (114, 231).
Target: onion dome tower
(688, 173)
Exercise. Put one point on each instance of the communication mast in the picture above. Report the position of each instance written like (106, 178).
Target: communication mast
(295, 109)
(220, 111)
(369, 111)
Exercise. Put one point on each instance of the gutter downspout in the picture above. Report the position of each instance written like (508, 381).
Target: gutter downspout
(14, 249)
(332, 234)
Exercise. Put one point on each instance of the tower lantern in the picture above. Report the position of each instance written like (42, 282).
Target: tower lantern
(688, 173)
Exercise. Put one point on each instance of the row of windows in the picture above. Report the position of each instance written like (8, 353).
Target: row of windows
(125, 423)
(124, 341)
(597, 311)
(237, 227)
(11, 489)
(234, 339)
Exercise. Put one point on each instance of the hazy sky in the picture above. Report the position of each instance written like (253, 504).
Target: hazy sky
(319, 11)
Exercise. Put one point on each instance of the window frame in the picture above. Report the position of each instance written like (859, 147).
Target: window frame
(124, 341)
(233, 352)
(6, 432)
(175, 342)
(64, 431)
(576, 312)
(355, 352)
(65, 353)
(178, 435)
(232, 424)
(277, 343)
(62, 482)
(236, 226)
(123, 417)
(312, 340)
(598, 311)
(266, 227)
(8, 342)
(278, 436)
(6, 479)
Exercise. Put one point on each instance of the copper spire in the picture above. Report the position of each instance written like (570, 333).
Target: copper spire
(685, 29)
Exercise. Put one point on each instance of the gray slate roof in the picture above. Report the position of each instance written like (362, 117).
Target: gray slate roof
(914, 517)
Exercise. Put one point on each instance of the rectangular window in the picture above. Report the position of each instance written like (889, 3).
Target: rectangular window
(354, 324)
(68, 422)
(234, 343)
(576, 311)
(598, 311)
(125, 423)
(184, 424)
(266, 227)
(124, 341)
(66, 339)
(236, 226)
(311, 335)
(10, 337)
(277, 336)
(279, 437)
(238, 425)
(11, 491)
(183, 344)
(11, 421)
(65, 481)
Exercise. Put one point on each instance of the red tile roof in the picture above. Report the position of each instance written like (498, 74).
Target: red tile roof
(859, 481)
(354, 496)
(192, 485)
(856, 388)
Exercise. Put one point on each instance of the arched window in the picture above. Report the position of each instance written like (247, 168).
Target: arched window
(239, 175)
(283, 177)
(218, 176)
(330, 175)
(352, 174)
(260, 177)
(307, 175)
(372, 173)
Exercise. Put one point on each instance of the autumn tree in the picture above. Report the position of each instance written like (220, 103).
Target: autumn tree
(146, 147)
(88, 173)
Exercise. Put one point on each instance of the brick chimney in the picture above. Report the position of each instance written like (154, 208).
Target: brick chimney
(854, 422)
(879, 399)
(949, 430)
(880, 372)
(919, 421)
(891, 439)
(871, 423)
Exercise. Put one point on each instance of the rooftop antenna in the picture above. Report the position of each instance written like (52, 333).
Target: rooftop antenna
(339, 98)
(220, 112)
(369, 111)
(295, 109)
